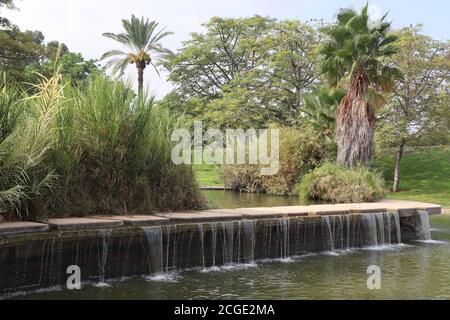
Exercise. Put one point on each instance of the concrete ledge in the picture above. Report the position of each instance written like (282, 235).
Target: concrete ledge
(199, 216)
(404, 208)
(22, 227)
(62, 224)
(135, 220)
(251, 213)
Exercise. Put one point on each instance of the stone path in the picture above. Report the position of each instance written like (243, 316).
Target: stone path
(405, 208)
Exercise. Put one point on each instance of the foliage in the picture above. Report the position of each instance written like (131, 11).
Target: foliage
(425, 174)
(109, 151)
(300, 151)
(25, 56)
(340, 184)
(242, 177)
(24, 147)
(419, 109)
(143, 42)
(8, 4)
(354, 55)
(319, 109)
(245, 72)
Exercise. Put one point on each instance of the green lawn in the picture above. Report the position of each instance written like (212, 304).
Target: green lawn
(425, 175)
(209, 175)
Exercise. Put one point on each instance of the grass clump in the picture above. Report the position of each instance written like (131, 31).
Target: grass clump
(340, 184)
(91, 149)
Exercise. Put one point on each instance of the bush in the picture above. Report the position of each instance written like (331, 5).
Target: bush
(340, 184)
(242, 178)
(109, 151)
(300, 151)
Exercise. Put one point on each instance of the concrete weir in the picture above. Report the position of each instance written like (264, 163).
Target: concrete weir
(36, 255)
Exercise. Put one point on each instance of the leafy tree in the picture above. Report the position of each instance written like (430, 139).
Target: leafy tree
(143, 41)
(17, 50)
(419, 107)
(246, 71)
(72, 66)
(354, 56)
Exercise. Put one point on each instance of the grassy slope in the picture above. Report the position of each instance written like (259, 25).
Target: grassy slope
(209, 175)
(425, 176)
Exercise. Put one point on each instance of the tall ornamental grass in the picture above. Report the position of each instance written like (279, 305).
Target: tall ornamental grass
(91, 149)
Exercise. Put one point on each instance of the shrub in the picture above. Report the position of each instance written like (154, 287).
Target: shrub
(242, 178)
(341, 184)
(300, 151)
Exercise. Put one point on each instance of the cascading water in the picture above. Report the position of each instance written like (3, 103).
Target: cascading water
(248, 228)
(425, 230)
(155, 248)
(349, 231)
(165, 248)
(105, 239)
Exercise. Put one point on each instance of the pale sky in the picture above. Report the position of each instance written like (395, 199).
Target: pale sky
(80, 24)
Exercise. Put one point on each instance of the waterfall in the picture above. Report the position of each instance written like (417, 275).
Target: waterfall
(248, 230)
(202, 242)
(213, 228)
(105, 239)
(154, 237)
(227, 241)
(329, 235)
(424, 232)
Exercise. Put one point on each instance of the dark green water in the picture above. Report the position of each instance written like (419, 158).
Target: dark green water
(410, 271)
(231, 199)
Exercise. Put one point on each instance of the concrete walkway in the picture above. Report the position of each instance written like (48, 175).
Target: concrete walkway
(405, 208)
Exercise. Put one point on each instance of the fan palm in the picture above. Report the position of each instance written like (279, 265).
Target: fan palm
(143, 41)
(355, 55)
(319, 109)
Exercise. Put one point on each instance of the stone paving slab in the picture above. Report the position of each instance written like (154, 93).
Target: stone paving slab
(255, 213)
(135, 220)
(61, 224)
(22, 227)
(408, 207)
(199, 216)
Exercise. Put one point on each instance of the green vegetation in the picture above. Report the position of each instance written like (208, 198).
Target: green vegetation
(89, 150)
(209, 175)
(337, 183)
(355, 56)
(426, 176)
(300, 151)
(141, 38)
(74, 141)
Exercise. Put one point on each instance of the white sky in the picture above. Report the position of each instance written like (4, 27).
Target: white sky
(80, 24)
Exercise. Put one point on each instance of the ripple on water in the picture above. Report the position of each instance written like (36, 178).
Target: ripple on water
(164, 277)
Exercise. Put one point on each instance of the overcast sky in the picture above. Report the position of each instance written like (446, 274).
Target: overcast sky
(80, 23)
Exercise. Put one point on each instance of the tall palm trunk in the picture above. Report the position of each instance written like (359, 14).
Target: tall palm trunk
(140, 69)
(355, 122)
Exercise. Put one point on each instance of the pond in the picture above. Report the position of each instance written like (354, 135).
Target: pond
(231, 199)
(412, 270)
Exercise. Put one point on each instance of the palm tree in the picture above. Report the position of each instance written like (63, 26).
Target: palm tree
(319, 109)
(142, 40)
(355, 55)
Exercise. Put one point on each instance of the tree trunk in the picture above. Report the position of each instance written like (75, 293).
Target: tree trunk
(355, 124)
(140, 69)
(398, 158)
